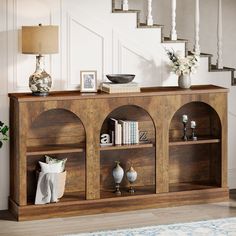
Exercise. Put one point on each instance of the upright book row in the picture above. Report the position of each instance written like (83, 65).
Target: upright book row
(124, 132)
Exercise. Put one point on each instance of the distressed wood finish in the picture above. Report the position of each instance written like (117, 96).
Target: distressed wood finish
(170, 172)
(89, 207)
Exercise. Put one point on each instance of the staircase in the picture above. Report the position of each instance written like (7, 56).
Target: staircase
(208, 73)
(173, 35)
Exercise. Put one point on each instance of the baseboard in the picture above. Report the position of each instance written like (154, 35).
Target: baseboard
(231, 181)
(90, 207)
(232, 178)
(3, 203)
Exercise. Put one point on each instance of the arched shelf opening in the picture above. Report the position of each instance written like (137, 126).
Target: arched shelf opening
(60, 134)
(141, 156)
(196, 163)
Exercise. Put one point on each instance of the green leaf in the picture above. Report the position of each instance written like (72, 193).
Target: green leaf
(4, 130)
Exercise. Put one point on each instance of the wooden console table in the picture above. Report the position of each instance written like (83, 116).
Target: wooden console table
(171, 172)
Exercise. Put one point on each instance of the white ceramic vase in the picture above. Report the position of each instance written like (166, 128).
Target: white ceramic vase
(131, 175)
(184, 81)
(118, 173)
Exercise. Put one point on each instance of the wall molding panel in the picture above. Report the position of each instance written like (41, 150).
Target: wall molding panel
(85, 34)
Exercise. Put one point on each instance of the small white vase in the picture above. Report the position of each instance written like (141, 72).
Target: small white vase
(184, 81)
(131, 175)
(118, 174)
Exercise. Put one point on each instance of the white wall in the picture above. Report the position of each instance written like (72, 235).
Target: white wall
(4, 110)
(91, 37)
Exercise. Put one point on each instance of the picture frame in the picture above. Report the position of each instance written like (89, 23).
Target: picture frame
(88, 81)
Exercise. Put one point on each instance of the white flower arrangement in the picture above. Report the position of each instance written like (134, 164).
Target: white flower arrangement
(183, 65)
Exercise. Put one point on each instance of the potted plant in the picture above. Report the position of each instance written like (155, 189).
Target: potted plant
(183, 67)
(3, 133)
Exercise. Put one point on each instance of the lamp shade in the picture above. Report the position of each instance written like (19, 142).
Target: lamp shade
(40, 39)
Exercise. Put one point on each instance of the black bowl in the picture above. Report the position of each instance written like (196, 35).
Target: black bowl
(120, 78)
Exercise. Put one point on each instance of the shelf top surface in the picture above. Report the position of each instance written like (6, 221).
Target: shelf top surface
(152, 91)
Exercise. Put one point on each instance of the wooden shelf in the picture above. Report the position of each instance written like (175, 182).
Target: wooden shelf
(123, 147)
(152, 91)
(108, 205)
(201, 140)
(68, 197)
(199, 168)
(80, 195)
(179, 187)
(144, 190)
(139, 190)
(54, 149)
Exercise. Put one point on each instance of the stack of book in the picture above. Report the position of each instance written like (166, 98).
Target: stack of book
(120, 88)
(124, 132)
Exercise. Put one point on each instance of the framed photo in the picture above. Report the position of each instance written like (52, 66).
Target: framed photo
(88, 81)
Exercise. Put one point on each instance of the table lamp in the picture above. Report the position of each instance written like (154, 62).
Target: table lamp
(40, 40)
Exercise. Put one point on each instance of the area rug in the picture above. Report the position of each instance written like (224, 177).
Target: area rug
(220, 227)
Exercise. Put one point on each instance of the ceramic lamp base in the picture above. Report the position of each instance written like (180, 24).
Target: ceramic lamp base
(43, 94)
(40, 81)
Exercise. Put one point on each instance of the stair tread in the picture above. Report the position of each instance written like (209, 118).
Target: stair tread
(144, 25)
(202, 54)
(214, 68)
(122, 11)
(168, 40)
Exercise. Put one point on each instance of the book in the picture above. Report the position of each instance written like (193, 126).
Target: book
(119, 134)
(113, 130)
(128, 125)
(122, 122)
(120, 88)
(110, 84)
(124, 132)
(136, 133)
(131, 132)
